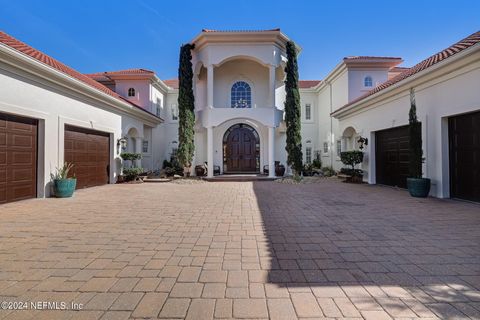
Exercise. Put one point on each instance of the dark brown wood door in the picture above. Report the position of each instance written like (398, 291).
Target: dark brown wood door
(18, 158)
(89, 151)
(464, 134)
(241, 151)
(391, 156)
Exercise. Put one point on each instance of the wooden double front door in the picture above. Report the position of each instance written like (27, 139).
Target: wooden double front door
(241, 150)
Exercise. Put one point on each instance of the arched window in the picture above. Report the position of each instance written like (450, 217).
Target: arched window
(241, 95)
(368, 82)
(131, 92)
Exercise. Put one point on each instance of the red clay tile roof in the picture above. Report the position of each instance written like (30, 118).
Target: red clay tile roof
(397, 69)
(123, 72)
(305, 84)
(211, 30)
(369, 58)
(173, 83)
(461, 45)
(51, 62)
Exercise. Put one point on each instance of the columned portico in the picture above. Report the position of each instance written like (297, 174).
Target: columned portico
(237, 78)
(210, 152)
(271, 152)
(210, 86)
(138, 149)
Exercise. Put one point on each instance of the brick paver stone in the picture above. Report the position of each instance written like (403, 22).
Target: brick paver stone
(150, 305)
(245, 250)
(306, 305)
(281, 309)
(250, 308)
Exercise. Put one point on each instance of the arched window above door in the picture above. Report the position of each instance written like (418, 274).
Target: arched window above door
(241, 95)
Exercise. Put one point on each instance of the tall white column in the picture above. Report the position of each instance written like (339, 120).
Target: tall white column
(271, 152)
(210, 152)
(271, 70)
(210, 86)
(138, 149)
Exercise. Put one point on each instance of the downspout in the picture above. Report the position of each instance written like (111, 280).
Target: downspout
(331, 125)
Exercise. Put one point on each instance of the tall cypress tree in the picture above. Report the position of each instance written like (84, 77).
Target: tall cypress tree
(415, 142)
(186, 107)
(292, 111)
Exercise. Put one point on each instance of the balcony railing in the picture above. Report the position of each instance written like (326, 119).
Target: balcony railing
(267, 116)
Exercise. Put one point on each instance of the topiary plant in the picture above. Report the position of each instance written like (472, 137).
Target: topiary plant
(351, 158)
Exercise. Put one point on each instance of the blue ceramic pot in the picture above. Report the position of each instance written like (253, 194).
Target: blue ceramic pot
(64, 188)
(419, 188)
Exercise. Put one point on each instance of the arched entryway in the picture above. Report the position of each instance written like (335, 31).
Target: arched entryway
(241, 149)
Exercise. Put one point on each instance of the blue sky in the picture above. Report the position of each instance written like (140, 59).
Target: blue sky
(93, 36)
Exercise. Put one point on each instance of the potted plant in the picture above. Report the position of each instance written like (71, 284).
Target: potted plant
(416, 184)
(352, 158)
(279, 169)
(63, 186)
(132, 172)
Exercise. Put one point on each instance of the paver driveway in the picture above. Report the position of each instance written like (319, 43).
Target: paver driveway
(242, 250)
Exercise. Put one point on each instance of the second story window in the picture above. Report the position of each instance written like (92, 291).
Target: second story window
(131, 92)
(325, 147)
(368, 82)
(241, 95)
(308, 111)
(174, 112)
(308, 155)
(158, 105)
(145, 146)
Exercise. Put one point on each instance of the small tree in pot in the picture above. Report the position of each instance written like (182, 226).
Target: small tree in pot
(416, 184)
(132, 172)
(352, 158)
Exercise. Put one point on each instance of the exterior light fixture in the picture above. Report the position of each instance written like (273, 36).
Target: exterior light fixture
(362, 141)
(121, 144)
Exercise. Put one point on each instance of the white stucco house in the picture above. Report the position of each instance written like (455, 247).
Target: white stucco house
(50, 113)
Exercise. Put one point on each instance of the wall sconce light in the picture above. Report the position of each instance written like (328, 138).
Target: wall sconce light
(121, 144)
(362, 141)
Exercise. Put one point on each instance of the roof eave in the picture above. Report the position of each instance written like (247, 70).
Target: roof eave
(45, 71)
(349, 108)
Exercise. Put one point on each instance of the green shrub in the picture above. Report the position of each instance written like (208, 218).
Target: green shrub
(130, 156)
(166, 164)
(62, 172)
(351, 158)
(317, 163)
(328, 171)
(131, 173)
(352, 172)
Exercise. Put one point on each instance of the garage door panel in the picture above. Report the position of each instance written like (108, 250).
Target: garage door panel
(88, 150)
(464, 146)
(18, 158)
(392, 156)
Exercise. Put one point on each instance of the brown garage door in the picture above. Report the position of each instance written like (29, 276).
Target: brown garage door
(464, 133)
(18, 158)
(89, 151)
(391, 156)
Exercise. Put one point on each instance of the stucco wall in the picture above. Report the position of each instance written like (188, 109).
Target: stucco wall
(447, 92)
(230, 72)
(54, 106)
